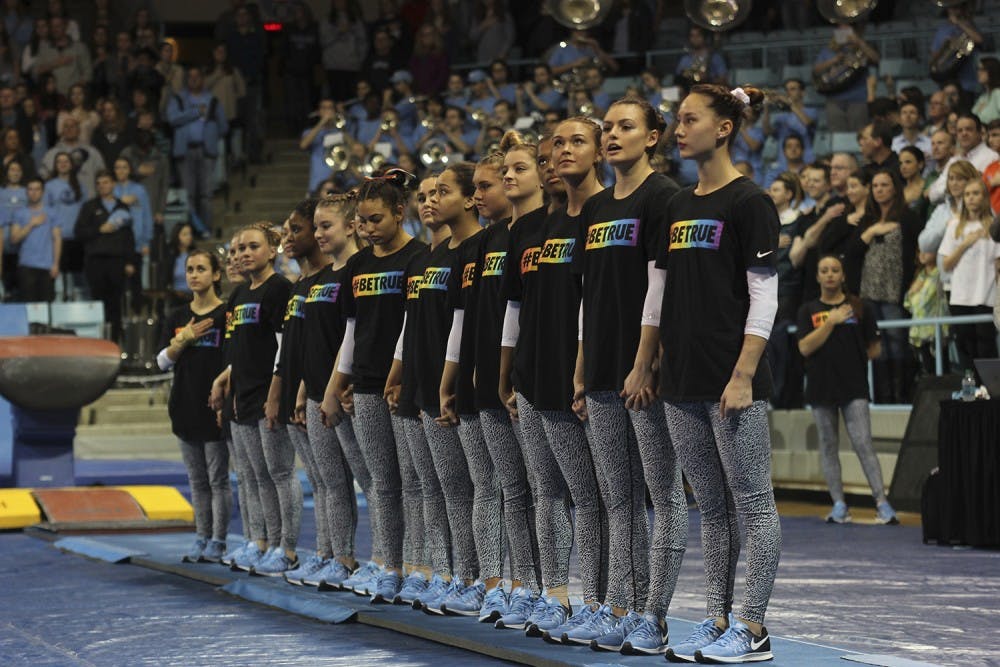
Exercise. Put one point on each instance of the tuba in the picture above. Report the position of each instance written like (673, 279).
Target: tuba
(579, 14)
(955, 52)
(717, 15)
(854, 61)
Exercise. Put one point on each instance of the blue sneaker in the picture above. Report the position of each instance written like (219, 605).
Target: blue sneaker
(250, 557)
(194, 553)
(704, 635)
(737, 644)
(549, 613)
(330, 577)
(414, 584)
(214, 552)
(839, 513)
(434, 590)
(235, 553)
(494, 605)
(601, 622)
(312, 565)
(386, 587)
(362, 578)
(274, 565)
(520, 605)
(614, 640)
(886, 514)
(559, 633)
(648, 638)
(432, 605)
(465, 602)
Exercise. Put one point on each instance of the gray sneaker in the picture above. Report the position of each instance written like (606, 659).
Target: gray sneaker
(194, 553)
(214, 552)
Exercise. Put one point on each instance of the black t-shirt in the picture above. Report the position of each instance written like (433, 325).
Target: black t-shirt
(199, 364)
(486, 329)
(558, 306)
(376, 300)
(465, 294)
(615, 243)
(435, 313)
(407, 406)
(709, 245)
(291, 359)
(258, 315)
(323, 330)
(837, 372)
(520, 284)
(835, 240)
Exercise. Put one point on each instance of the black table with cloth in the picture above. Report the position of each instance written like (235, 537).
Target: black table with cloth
(969, 461)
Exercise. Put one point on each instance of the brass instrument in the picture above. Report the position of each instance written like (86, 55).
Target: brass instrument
(338, 158)
(853, 60)
(479, 116)
(435, 156)
(579, 14)
(388, 123)
(428, 123)
(955, 52)
(373, 164)
(717, 15)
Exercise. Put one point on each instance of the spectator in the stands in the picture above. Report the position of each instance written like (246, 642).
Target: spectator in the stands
(749, 144)
(938, 109)
(12, 151)
(701, 63)
(300, 52)
(172, 73)
(246, 50)
(64, 195)
(911, 168)
(493, 30)
(198, 123)
(391, 22)
(792, 152)
(227, 85)
(87, 159)
(17, 24)
(105, 230)
(846, 109)
(820, 228)
(593, 82)
(792, 118)
(959, 22)
(81, 110)
(101, 63)
(29, 54)
(480, 96)
(987, 106)
(56, 9)
(884, 109)
(942, 150)
(134, 195)
(969, 137)
(875, 146)
(381, 62)
(429, 63)
(37, 232)
(500, 82)
(145, 75)
(992, 173)
(912, 130)
(344, 45)
(455, 94)
(451, 132)
(390, 131)
(10, 66)
(110, 138)
(842, 165)
(11, 116)
(66, 58)
(152, 170)
(439, 16)
(580, 50)
(538, 94)
(39, 129)
(118, 65)
(959, 174)
(315, 141)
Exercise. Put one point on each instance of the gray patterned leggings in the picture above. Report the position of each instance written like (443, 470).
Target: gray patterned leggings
(859, 428)
(728, 464)
(508, 461)
(279, 458)
(236, 457)
(437, 537)
(253, 520)
(456, 484)
(373, 426)
(414, 549)
(335, 483)
(207, 466)
(300, 441)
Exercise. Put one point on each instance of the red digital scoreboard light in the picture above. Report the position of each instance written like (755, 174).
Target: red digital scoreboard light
(273, 26)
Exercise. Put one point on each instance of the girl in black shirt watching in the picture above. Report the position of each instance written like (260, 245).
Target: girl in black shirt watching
(193, 347)
(374, 309)
(720, 297)
(492, 204)
(838, 336)
(615, 253)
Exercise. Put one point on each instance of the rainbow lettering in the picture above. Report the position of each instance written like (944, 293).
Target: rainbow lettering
(413, 287)
(247, 313)
(493, 264)
(295, 307)
(820, 318)
(327, 293)
(436, 277)
(623, 232)
(557, 251)
(211, 338)
(468, 274)
(229, 324)
(377, 284)
(687, 234)
(529, 259)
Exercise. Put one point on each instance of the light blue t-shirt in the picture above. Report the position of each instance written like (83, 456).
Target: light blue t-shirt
(856, 92)
(60, 198)
(142, 214)
(785, 123)
(37, 250)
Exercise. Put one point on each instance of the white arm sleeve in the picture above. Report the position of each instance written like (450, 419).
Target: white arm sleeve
(511, 324)
(346, 365)
(163, 361)
(398, 353)
(277, 354)
(453, 351)
(579, 317)
(654, 295)
(763, 287)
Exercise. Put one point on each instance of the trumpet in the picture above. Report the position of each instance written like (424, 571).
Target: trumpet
(435, 156)
(338, 158)
(373, 163)
(480, 116)
(585, 109)
(388, 123)
(428, 123)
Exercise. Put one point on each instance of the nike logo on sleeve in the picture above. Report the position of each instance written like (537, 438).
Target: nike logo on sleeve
(761, 255)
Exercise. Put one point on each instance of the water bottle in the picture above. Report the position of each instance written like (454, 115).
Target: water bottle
(969, 386)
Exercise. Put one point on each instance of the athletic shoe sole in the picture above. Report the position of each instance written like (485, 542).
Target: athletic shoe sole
(327, 586)
(456, 612)
(492, 617)
(749, 657)
(628, 649)
(597, 646)
(500, 625)
(674, 657)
